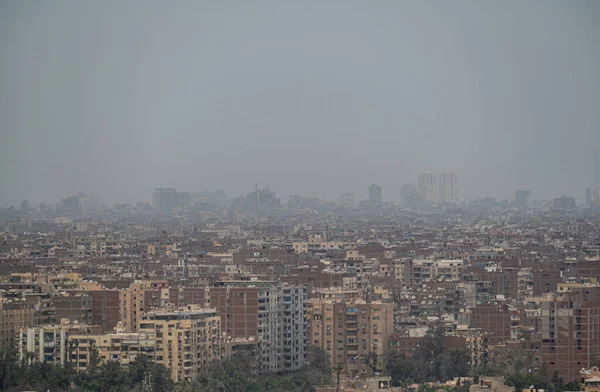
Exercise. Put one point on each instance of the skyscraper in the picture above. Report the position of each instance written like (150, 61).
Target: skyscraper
(438, 188)
(410, 196)
(588, 196)
(521, 198)
(164, 199)
(448, 187)
(375, 193)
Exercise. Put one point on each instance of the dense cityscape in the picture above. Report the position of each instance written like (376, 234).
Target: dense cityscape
(300, 196)
(373, 291)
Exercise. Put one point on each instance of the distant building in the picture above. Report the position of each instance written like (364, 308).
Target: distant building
(595, 199)
(164, 199)
(262, 201)
(410, 196)
(346, 200)
(588, 196)
(375, 193)
(521, 198)
(564, 203)
(438, 188)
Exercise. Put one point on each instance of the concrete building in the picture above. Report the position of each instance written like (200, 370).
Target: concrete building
(564, 203)
(46, 344)
(136, 300)
(491, 384)
(165, 199)
(438, 188)
(106, 306)
(494, 319)
(375, 193)
(294, 327)
(521, 198)
(187, 340)
(74, 305)
(410, 196)
(273, 314)
(590, 379)
(349, 332)
(123, 348)
(14, 315)
(50, 343)
(570, 339)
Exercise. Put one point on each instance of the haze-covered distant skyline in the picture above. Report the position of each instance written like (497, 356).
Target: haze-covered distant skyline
(115, 98)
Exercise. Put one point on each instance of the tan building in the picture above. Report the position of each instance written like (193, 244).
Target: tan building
(491, 384)
(186, 340)
(138, 299)
(590, 379)
(49, 343)
(121, 347)
(351, 331)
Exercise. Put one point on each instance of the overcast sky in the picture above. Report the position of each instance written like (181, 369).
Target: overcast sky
(318, 98)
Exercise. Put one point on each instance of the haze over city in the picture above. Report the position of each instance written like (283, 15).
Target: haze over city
(116, 98)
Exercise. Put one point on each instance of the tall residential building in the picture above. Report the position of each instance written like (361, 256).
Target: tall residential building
(375, 193)
(138, 299)
(105, 309)
(294, 327)
(493, 319)
(187, 340)
(14, 315)
(274, 314)
(262, 201)
(351, 332)
(596, 197)
(521, 198)
(428, 187)
(570, 338)
(588, 196)
(164, 199)
(410, 196)
(448, 187)
(438, 188)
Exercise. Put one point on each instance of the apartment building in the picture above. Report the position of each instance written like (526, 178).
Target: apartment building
(15, 313)
(570, 338)
(273, 313)
(106, 306)
(187, 340)
(138, 299)
(494, 319)
(49, 343)
(427, 270)
(120, 347)
(352, 331)
(74, 305)
(294, 326)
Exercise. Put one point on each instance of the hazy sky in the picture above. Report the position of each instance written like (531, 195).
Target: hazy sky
(319, 98)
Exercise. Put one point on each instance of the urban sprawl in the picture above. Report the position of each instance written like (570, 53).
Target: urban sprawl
(430, 293)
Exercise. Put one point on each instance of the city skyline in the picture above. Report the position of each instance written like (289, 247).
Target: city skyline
(504, 95)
